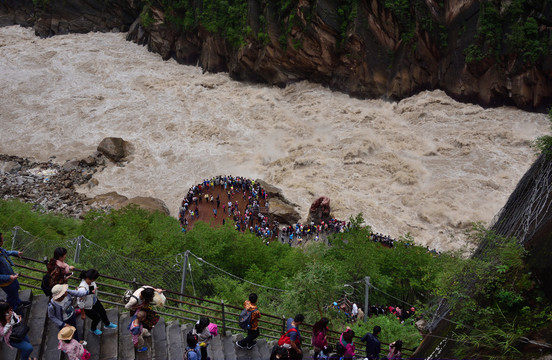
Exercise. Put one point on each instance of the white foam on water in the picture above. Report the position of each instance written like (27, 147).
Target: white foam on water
(427, 165)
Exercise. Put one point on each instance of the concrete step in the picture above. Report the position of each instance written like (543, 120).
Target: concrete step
(125, 349)
(37, 322)
(229, 346)
(94, 341)
(109, 340)
(215, 350)
(50, 344)
(176, 345)
(264, 351)
(244, 354)
(146, 355)
(159, 338)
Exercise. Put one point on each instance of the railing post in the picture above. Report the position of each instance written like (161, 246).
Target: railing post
(284, 327)
(366, 293)
(77, 249)
(14, 234)
(183, 283)
(134, 284)
(223, 317)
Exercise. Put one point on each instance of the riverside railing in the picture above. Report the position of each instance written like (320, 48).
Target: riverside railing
(178, 306)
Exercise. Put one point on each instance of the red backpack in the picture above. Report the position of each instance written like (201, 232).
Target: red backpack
(285, 339)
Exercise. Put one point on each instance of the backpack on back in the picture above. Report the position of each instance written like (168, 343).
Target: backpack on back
(129, 294)
(45, 285)
(285, 339)
(245, 319)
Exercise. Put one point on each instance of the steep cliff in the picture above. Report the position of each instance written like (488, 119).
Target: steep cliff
(487, 52)
(483, 52)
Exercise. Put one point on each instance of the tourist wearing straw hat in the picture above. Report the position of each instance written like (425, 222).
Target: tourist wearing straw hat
(60, 307)
(71, 347)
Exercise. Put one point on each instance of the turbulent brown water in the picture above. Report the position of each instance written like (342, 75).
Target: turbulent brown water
(427, 165)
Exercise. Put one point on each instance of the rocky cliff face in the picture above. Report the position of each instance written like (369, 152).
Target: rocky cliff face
(57, 17)
(367, 48)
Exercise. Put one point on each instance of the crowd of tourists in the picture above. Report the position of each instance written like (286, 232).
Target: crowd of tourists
(223, 195)
(65, 305)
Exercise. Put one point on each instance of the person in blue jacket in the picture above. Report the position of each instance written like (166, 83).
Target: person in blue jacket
(8, 277)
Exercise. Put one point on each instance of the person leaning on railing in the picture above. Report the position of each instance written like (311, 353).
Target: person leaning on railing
(58, 269)
(142, 299)
(8, 277)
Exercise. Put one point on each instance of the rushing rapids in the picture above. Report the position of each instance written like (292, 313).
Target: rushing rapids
(427, 165)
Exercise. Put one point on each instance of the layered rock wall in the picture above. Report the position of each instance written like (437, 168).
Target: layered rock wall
(379, 51)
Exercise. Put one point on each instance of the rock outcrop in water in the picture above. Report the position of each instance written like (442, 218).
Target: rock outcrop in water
(366, 48)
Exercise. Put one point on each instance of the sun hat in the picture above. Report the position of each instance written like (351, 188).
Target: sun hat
(59, 290)
(66, 333)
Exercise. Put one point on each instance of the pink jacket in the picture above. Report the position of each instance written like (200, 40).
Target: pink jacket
(6, 335)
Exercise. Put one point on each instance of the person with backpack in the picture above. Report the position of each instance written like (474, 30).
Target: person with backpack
(8, 277)
(249, 320)
(58, 270)
(142, 299)
(373, 345)
(192, 351)
(292, 338)
(91, 305)
(319, 339)
(201, 330)
(345, 347)
(60, 307)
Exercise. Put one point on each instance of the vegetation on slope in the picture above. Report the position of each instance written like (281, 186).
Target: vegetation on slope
(495, 301)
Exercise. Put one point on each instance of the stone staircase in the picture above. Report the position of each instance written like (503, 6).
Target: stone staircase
(167, 342)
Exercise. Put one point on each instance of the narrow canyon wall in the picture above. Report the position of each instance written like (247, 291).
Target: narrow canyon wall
(372, 51)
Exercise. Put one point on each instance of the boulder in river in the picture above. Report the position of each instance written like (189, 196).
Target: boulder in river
(117, 201)
(282, 212)
(320, 210)
(114, 148)
(149, 203)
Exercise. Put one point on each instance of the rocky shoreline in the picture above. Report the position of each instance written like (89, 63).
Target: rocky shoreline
(53, 187)
(49, 186)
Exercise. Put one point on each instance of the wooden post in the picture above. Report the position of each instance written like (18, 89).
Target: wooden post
(283, 324)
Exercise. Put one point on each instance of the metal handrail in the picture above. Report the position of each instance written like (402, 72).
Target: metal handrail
(134, 284)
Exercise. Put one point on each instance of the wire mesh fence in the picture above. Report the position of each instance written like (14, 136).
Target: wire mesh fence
(182, 272)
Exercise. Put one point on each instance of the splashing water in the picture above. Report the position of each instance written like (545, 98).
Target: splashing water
(427, 165)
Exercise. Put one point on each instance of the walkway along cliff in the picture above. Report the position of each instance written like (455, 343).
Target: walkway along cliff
(492, 53)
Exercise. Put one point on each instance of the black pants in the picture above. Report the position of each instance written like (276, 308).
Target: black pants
(96, 314)
(73, 322)
(250, 339)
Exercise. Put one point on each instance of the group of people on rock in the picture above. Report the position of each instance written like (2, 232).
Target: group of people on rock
(301, 231)
(237, 189)
(402, 314)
